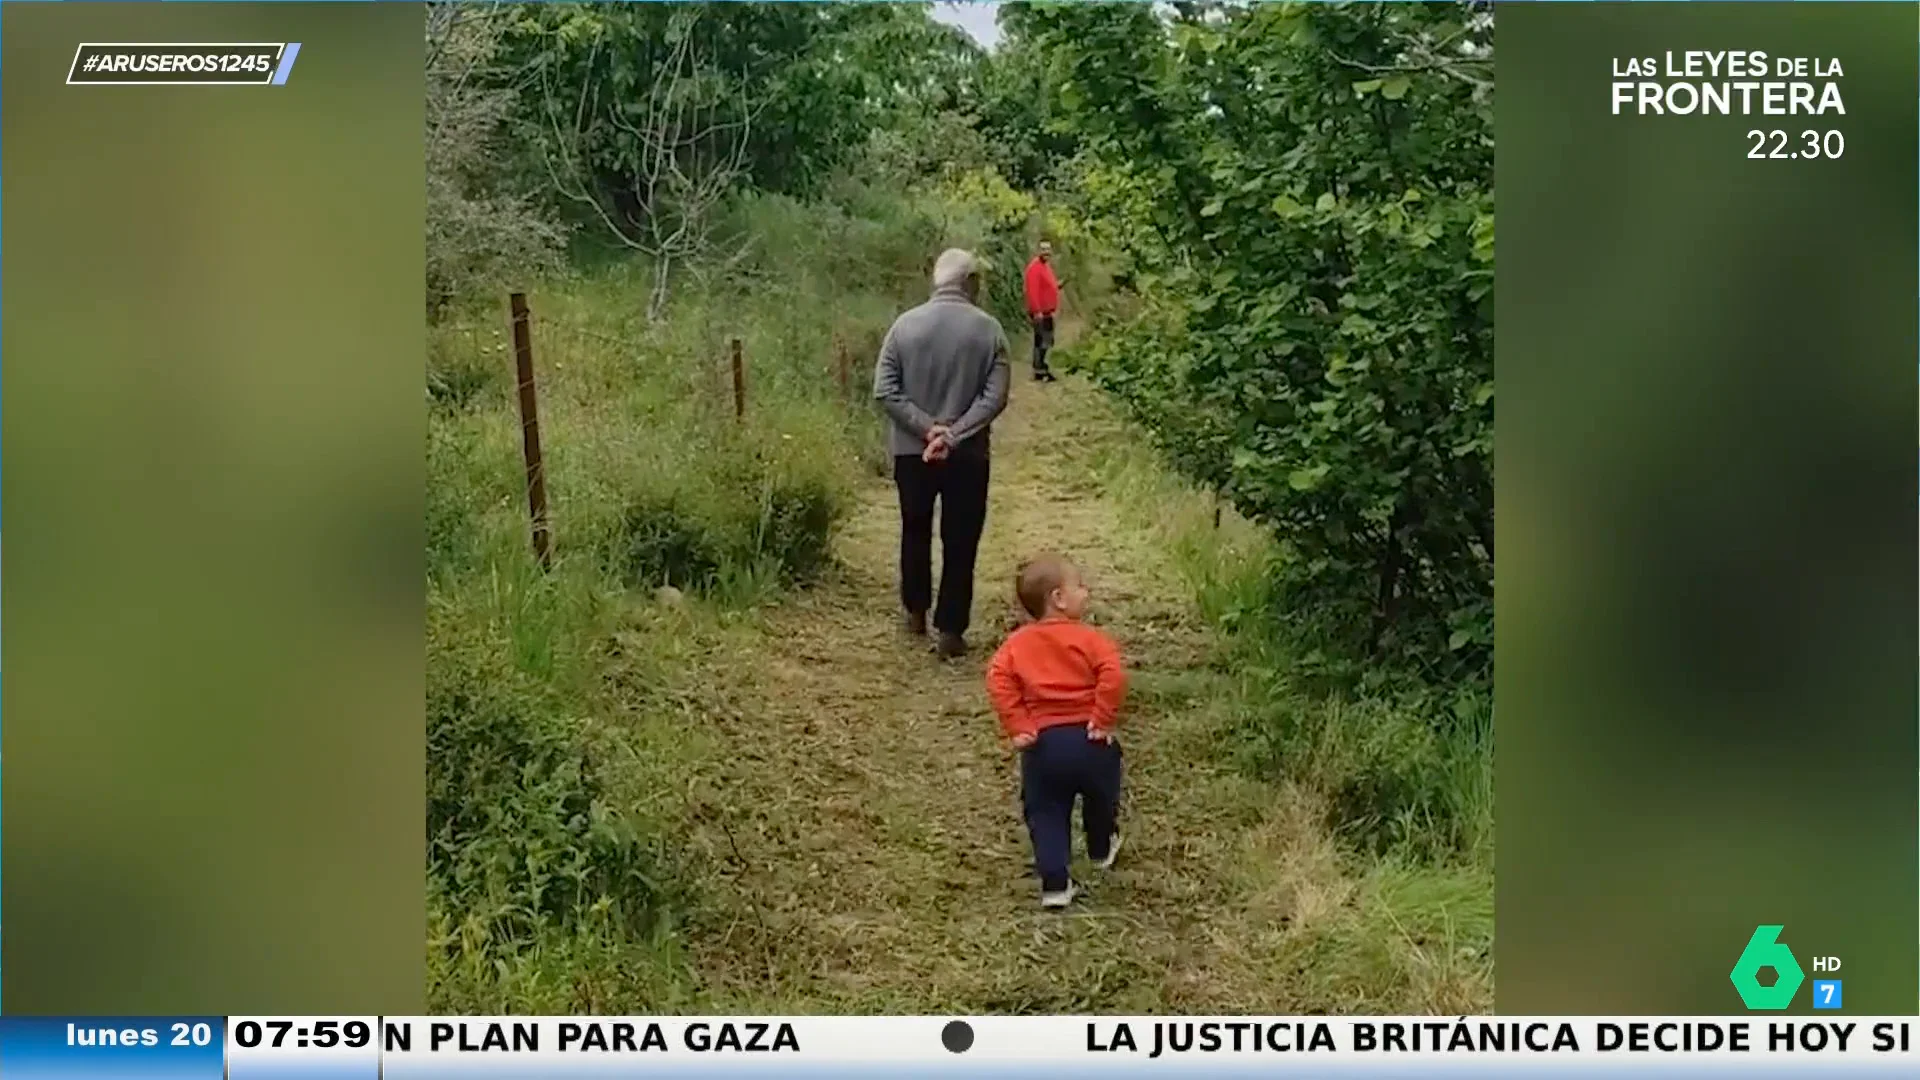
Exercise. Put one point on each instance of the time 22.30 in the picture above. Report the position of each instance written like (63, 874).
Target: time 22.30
(1777, 146)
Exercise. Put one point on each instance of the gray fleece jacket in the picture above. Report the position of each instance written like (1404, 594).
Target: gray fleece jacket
(944, 362)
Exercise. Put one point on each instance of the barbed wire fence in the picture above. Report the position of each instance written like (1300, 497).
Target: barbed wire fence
(715, 379)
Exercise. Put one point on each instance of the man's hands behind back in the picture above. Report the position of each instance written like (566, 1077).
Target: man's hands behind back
(937, 447)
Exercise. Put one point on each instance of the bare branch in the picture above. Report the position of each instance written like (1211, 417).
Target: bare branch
(1461, 68)
(576, 185)
(683, 154)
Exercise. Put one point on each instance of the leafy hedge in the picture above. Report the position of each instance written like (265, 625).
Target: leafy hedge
(1305, 193)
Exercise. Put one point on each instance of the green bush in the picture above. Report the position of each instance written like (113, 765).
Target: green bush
(795, 526)
(689, 542)
(668, 544)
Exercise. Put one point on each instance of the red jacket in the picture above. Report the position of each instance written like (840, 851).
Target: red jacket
(1043, 289)
(1056, 671)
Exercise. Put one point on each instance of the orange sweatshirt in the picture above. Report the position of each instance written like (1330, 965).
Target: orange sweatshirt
(1056, 671)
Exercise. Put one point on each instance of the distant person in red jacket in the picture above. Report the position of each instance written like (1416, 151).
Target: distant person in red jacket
(1057, 684)
(1043, 302)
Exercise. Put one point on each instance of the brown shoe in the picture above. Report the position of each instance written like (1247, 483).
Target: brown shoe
(916, 623)
(950, 646)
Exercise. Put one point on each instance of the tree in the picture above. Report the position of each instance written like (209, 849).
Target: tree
(1308, 191)
(683, 148)
(482, 230)
(651, 116)
(1016, 106)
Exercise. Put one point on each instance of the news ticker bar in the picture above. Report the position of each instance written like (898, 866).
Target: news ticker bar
(1007, 1048)
(202, 64)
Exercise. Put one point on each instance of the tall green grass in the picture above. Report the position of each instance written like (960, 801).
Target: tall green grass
(1406, 768)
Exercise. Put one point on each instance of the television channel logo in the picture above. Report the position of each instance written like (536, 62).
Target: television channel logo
(1766, 950)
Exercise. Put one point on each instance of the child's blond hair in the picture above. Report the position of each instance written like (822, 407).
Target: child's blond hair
(1037, 579)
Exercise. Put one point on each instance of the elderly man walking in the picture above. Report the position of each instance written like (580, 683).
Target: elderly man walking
(942, 377)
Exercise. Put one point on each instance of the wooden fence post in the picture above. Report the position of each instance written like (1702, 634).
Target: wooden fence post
(530, 429)
(739, 383)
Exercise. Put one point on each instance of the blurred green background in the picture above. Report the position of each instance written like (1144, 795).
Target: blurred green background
(213, 448)
(1707, 507)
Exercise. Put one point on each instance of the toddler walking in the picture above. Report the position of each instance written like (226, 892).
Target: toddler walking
(1057, 685)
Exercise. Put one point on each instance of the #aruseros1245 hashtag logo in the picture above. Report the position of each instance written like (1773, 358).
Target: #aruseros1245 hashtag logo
(1766, 951)
(252, 64)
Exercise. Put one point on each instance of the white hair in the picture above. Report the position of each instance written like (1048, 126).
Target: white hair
(954, 267)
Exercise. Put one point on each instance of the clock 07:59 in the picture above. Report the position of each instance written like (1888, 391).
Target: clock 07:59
(1778, 146)
(324, 1034)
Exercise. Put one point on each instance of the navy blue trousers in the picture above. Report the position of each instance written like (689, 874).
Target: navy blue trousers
(1063, 766)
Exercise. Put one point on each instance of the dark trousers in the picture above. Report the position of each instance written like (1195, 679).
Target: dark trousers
(959, 484)
(1062, 765)
(1042, 342)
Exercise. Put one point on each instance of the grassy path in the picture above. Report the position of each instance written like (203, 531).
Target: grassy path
(862, 824)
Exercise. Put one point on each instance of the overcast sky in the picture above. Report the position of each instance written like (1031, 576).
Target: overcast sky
(975, 17)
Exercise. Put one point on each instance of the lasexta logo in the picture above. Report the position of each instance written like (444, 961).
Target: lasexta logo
(1765, 950)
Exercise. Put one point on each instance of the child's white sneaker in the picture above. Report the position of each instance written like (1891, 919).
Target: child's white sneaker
(1059, 899)
(1113, 852)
